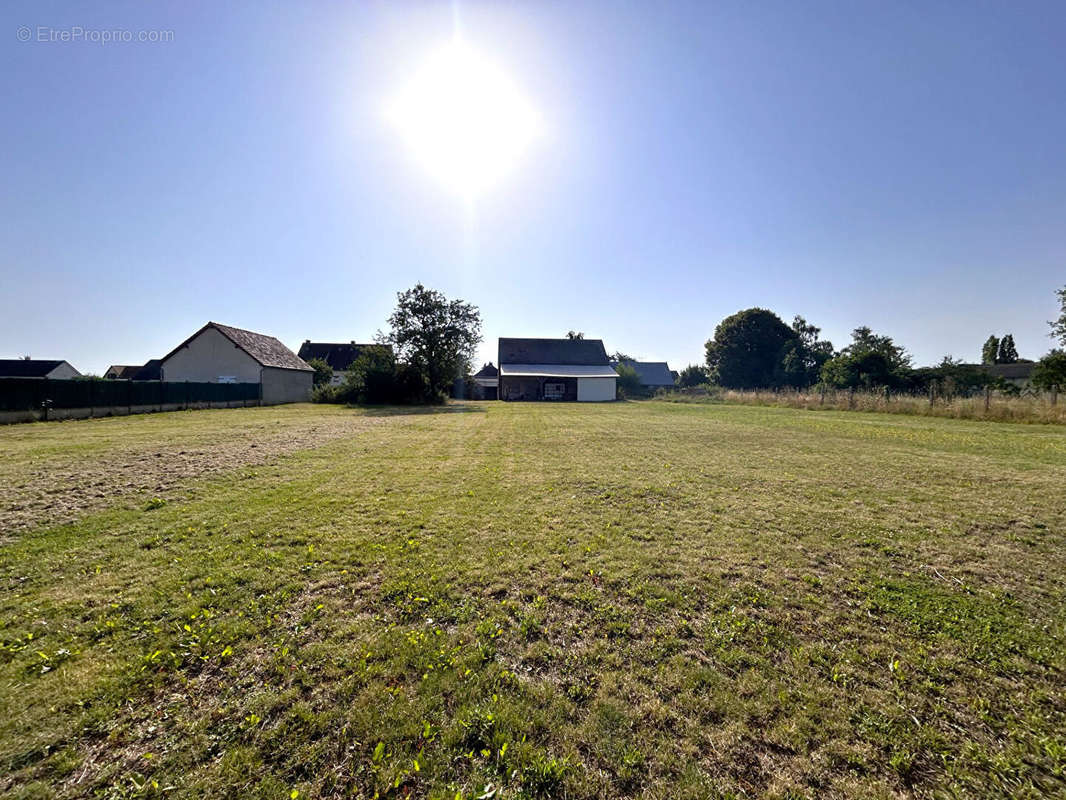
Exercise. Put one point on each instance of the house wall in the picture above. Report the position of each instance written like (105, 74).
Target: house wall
(286, 385)
(209, 356)
(592, 390)
(63, 372)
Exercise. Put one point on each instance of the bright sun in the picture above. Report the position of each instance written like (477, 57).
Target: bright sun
(464, 120)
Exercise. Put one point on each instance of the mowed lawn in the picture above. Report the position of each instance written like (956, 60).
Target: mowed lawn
(512, 600)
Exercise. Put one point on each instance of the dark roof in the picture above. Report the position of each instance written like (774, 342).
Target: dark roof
(26, 367)
(652, 373)
(339, 355)
(487, 371)
(267, 350)
(1019, 371)
(121, 372)
(552, 351)
(149, 372)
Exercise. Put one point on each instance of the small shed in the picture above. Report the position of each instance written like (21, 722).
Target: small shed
(555, 369)
(223, 354)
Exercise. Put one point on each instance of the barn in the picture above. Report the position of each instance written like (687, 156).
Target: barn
(555, 369)
(223, 354)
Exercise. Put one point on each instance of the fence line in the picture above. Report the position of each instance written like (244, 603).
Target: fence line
(24, 399)
(1028, 406)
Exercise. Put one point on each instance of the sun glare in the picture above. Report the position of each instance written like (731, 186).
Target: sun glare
(464, 120)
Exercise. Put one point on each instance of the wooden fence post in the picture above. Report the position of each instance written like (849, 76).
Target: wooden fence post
(1054, 395)
(931, 390)
(988, 397)
(851, 398)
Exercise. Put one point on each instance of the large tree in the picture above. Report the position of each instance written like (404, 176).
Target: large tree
(1008, 353)
(1058, 326)
(434, 336)
(871, 360)
(1050, 371)
(990, 350)
(803, 357)
(864, 340)
(747, 349)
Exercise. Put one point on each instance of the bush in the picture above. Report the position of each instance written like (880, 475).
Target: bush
(375, 378)
(628, 383)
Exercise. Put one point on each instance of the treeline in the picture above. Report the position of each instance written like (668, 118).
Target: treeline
(756, 349)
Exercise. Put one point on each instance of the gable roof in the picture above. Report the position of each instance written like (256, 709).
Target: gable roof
(121, 371)
(652, 373)
(266, 350)
(552, 351)
(28, 367)
(339, 355)
(149, 372)
(487, 371)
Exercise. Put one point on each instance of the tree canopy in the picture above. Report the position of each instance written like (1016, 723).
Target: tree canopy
(1050, 371)
(1008, 353)
(747, 349)
(434, 336)
(1058, 326)
(990, 350)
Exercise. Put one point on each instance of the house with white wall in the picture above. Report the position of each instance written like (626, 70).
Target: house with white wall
(555, 369)
(223, 354)
(55, 369)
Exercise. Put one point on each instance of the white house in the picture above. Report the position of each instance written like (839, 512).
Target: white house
(222, 354)
(37, 368)
(555, 369)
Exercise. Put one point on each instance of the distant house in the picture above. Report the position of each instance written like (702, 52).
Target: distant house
(653, 374)
(1018, 374)
(148, 371)
(555, 369)
(121, 372)
(37, 368)
(223, 354)
(339, 356)
(486, 383)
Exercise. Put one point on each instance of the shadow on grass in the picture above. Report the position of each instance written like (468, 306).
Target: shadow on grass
(397, 411)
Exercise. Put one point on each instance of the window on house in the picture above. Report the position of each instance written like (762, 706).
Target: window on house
(554, 391)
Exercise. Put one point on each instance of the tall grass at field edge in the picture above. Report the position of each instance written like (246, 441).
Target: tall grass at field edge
(1000, 407)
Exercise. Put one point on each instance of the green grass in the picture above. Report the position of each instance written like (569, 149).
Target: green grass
(521, 600)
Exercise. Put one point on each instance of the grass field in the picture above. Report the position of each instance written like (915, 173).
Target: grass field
(511, 600)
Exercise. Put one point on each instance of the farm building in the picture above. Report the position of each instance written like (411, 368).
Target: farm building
(1018, 374)
(37, 368)
(339, 356)
(486, 383)
(653, 374)
(555, 369)
(222, 354)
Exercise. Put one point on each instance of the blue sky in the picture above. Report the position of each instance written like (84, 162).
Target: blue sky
(900, 165)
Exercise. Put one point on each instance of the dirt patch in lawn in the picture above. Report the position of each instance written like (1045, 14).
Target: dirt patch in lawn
(63, 487)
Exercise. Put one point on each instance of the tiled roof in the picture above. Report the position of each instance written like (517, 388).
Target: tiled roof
(266, 350)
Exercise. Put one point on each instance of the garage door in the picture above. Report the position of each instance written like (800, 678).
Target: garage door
(595, 389)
